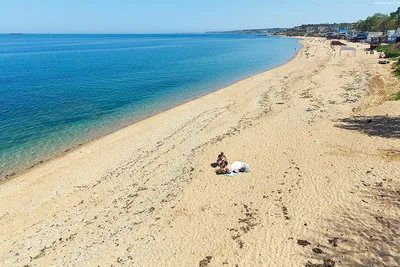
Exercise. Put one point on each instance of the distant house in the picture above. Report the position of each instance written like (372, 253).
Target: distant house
(297, 28)
(333, 28)
(310, 28)
(348, 26)
(374, 35)
(392, 35)
(323, 28)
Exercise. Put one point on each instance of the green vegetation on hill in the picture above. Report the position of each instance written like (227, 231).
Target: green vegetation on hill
(380, 22)
(296, 33)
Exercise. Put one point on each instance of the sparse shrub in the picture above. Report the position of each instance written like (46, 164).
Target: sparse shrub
(391, 51)
(397, 96)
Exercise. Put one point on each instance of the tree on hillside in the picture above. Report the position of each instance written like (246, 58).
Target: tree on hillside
(377, 22)
(395, 18)
(380, 22)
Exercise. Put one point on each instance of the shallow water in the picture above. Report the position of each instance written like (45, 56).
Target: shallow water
(58, 91)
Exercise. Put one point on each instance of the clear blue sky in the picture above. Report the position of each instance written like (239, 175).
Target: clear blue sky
(172, 16)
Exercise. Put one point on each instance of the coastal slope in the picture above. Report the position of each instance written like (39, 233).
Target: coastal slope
(322, 141)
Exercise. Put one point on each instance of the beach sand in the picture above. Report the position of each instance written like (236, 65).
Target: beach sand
(323, 144)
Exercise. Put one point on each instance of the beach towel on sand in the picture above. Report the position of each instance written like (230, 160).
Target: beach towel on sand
(231, 174)
(238, 166)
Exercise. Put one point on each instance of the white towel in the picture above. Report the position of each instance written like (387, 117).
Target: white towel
(236, 166)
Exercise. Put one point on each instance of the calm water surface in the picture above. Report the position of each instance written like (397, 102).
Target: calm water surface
(58, 91)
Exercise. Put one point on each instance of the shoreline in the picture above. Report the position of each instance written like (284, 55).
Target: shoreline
(18, 173)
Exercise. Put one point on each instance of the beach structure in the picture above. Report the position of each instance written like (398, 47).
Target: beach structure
(371, 35)
(393, 35)
(351, 35)
(359, 37)
(349, 49)
(332, 35)
(343, 33)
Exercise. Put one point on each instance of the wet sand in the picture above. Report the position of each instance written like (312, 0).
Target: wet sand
(323, 144)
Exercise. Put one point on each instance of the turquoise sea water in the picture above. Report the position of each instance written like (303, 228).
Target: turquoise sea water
(58, 91)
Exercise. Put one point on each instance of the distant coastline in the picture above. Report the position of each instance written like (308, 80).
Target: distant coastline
(266, 31)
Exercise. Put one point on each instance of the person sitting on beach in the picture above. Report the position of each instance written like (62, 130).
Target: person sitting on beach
(221, 159)
(224, 167)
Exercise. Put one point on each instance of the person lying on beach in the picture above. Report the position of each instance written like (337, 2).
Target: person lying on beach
(221, 159)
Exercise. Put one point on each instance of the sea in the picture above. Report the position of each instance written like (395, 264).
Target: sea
(60, 91)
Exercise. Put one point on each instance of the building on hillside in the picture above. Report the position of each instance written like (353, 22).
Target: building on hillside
(348, 26)
(323, 28)
(310, 28)
(333, 28)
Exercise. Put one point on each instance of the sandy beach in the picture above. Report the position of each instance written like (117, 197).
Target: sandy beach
(323, 142)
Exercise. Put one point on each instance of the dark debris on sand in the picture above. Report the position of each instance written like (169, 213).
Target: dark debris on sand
(303, 243)
(205, 262)
(317, 250)
(333, 241)
(327, 263)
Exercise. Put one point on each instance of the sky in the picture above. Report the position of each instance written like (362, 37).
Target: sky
(176, 16)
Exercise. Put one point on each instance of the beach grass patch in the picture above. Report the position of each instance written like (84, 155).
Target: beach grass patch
(397, 69)
(391, 51)
(397, 96)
